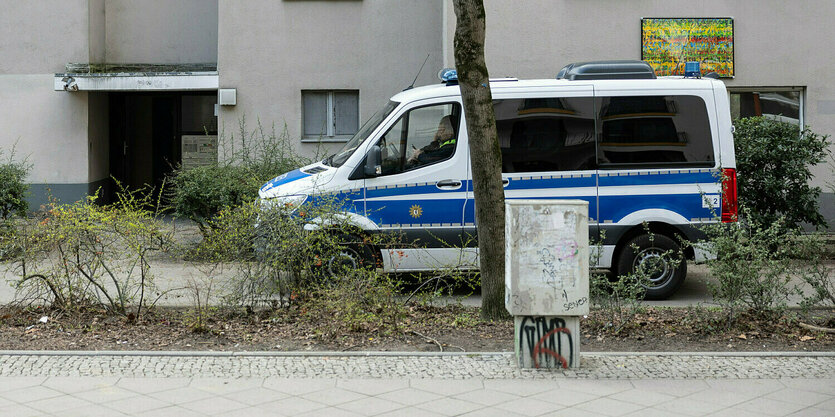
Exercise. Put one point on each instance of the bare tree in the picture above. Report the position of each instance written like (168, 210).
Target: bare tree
(484, 152)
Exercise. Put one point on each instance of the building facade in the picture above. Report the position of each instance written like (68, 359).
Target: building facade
(100, 89)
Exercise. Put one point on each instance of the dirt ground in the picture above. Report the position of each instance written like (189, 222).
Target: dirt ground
(449, 329)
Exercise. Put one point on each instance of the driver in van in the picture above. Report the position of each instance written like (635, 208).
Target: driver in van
(441, 147)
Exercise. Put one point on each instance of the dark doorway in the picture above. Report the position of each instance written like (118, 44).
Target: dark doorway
(146, 131)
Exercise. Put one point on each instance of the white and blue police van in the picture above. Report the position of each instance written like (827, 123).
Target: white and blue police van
(653, 157)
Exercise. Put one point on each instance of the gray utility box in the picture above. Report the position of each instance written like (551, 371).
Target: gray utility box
(547, 279)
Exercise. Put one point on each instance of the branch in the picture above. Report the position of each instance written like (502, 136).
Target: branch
(58, 298)
(115, 282)
(816, 328)
(441, 347)
(97, 285)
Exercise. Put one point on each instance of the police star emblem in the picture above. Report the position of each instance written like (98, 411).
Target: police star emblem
(415, 211)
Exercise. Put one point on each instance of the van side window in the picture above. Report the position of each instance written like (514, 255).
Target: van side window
(546, 134)
(654, 131)
(421, 137)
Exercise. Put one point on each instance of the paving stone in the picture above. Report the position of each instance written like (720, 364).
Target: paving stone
(372, 386)
(609, 406)
(29, 394)
(256, 396)
(410, 396)
(371, 406)
(530, 407)
(213, 405)
(450, 407)
(770, 407)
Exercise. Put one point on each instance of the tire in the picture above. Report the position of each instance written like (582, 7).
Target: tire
(644, 251)
(352, 254)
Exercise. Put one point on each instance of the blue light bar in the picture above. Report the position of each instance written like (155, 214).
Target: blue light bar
(448, 76)
(692, 69)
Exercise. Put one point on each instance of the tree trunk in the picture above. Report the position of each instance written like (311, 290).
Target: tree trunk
(485, 153)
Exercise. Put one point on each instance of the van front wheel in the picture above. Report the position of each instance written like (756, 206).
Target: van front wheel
(658, 258)
(351, 254)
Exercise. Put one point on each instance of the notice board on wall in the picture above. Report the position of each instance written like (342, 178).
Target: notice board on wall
(667, 43)
(199, 150)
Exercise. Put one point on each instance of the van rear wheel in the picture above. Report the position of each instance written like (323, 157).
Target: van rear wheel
(659, 258)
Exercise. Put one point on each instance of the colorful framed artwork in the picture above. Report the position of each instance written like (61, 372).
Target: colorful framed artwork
(667, 43)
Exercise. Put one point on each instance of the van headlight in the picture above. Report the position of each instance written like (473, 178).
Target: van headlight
(286, 204)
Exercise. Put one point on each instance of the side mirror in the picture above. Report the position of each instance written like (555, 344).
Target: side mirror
(373, 162)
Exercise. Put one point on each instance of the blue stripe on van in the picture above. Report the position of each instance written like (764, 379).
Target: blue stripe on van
(615, 208)
(398, 213)
(547, 182)
(417, 188)
(284, 179)
(633, 178)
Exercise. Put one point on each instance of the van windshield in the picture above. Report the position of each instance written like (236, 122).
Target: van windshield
(336, 160)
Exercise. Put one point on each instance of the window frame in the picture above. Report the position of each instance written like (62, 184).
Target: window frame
(801, 90)
(330, 121)
(407, 114)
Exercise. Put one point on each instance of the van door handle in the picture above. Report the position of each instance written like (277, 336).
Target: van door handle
(505, 182)
(448, 184)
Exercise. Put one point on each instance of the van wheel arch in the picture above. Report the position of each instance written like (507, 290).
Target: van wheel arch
(656, 228)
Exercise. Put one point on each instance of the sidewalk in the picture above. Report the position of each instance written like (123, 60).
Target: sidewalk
(364, 384)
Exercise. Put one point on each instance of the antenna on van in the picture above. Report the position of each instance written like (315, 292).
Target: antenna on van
(411, 86)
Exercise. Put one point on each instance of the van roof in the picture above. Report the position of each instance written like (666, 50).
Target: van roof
(511, 84)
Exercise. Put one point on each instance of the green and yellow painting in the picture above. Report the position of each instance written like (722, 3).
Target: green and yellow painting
(667, 44)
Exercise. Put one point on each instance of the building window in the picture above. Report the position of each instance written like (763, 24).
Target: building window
(329, 115)
(784, 104)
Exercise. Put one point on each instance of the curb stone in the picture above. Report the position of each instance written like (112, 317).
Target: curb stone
(388, 365)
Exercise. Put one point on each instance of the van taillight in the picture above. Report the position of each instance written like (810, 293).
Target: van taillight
(729, 202)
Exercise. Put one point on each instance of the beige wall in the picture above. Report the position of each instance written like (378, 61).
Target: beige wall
(48, 128)
(97, 18)
(271, 50)
(39, 37)
(161, 31)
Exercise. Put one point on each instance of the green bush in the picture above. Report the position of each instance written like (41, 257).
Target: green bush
(250, 159)
(773, 161)
(12, 188)
(754, 266)
(85, 255)
(201, 193)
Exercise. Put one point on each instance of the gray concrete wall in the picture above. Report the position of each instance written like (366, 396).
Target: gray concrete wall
(39, 37)
(161, 31)
(97, 18)
(271, 50)
(47, 128)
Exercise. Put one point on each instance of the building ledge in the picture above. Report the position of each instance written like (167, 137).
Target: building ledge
(137, 77)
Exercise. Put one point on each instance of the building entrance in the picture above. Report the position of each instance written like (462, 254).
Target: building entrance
(152, 133)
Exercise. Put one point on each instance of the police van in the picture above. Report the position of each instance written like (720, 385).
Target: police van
(653, 157)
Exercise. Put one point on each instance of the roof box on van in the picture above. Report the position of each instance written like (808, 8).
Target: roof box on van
(607, 70)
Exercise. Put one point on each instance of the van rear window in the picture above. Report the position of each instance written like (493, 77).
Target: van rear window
(653, 131)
